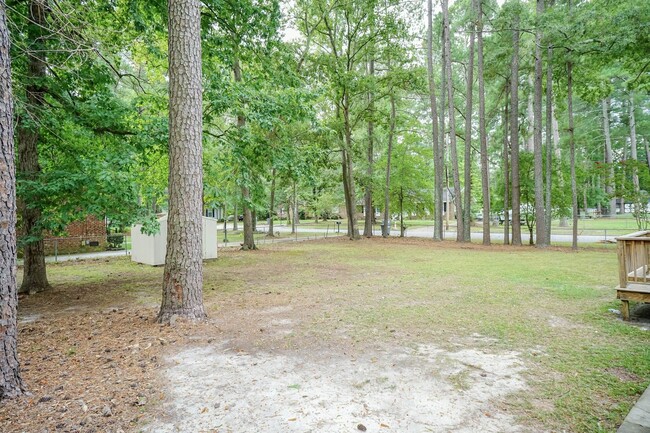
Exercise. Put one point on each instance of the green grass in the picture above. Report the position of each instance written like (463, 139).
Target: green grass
(585, 368)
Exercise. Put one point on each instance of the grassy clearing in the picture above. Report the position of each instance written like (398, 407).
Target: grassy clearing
(585, 367)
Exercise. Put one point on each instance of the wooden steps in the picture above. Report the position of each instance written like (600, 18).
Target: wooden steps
(632, 292)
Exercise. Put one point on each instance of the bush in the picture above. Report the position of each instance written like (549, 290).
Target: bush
(115, 241)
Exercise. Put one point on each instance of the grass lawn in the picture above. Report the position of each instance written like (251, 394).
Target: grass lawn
(584, 368)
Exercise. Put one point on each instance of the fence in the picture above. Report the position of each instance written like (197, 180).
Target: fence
(73, 245)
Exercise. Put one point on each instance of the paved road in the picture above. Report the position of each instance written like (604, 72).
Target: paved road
(427, 232)
(422, 232)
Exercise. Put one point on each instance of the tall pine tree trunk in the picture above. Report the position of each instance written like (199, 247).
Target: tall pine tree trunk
(183, 276)
(467, 198)
(452, 124)
(272, 205)
(370, 213)
(549, 142)
(348, 174)
(485, 175)
(540, 211)
(401, 211)
(438, 148)
(34, 272)
(633, 152)
(609, 160)
(572, 155)
(10, 381)
(294, 209)
(249, 238)
(385, 230)
(506, 170)
(514, 135)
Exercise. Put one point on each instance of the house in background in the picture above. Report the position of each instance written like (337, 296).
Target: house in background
(82, 236)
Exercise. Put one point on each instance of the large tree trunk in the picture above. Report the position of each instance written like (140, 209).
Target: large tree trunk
(348, 174)
(647, 152)
(438, 147)
(530, 117)
(452, 124)
(540, 210)
(34, 272)
(633, 152)
(385, 229)
(10, 381)
(294, 209)
(249, 238)
(506, 171)
(549, 142)
(609, 189)
(183, 277)
(485, 179)
(514, 135)
(572, 155)
(370, 213)
(272, 205)
(467, 198)
(401, 212)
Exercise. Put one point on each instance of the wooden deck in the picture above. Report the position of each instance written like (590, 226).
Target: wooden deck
(633, 292)
(633, 270)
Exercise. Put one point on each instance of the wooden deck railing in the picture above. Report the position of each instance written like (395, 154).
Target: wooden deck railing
(633, 267)
(634, 258)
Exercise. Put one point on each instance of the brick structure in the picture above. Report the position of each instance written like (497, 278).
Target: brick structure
(82, 236)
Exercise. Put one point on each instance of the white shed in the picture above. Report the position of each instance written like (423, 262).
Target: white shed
(151, 250)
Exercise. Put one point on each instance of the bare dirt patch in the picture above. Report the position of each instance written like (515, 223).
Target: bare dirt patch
(216, 389)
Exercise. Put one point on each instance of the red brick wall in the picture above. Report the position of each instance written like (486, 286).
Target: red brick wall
(91, 226)
(79, 234)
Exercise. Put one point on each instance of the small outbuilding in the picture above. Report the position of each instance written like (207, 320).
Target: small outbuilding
(151, 249)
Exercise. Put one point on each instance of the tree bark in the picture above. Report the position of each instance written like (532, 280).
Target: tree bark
(272, 205)
(34, 272)
(506, 171)
(370, 213)
(294, 209)
(452, 125)
(514, 135)
(609, 160)
(183, 276)
(485, 177)
(647, 152)
(540, 209)
(438, 147)
(385, 230)
(443, 131)
(572, 155)
(11, 384)
(249, 238)
(549, 142)
(530, 117)
(348, 174)
(401, 212)
(467, 198)
(633, 151)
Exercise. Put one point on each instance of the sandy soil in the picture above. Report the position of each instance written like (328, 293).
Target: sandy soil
(421, 389)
